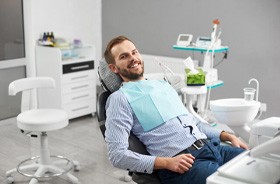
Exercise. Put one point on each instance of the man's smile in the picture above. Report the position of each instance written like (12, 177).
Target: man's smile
(134, 65)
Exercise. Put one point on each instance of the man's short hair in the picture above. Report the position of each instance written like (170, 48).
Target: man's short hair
(108, 54)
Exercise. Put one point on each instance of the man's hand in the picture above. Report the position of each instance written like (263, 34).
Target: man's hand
(225, 136)
(180, 163)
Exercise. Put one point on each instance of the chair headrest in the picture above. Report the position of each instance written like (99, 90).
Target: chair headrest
(109, 80)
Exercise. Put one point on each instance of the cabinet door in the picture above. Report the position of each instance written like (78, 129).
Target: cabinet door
(78, 76)
(80, 108)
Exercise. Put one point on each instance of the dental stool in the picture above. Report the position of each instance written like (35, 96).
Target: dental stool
(31, 121)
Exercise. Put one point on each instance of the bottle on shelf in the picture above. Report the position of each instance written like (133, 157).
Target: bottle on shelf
(52, 39)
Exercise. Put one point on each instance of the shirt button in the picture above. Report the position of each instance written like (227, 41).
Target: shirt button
(193, 133)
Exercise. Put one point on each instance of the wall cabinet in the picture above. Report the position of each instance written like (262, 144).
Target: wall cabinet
(75, 77)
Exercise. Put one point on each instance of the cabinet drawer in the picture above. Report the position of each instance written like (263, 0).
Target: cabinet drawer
(79, 76)
(77, 67)
(78, 86)
(80, 108)
(78, 96)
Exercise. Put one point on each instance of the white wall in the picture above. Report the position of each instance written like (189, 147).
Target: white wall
(69, 19)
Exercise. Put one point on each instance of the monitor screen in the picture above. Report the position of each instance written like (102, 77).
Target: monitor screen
(11, 30)
(184, 38)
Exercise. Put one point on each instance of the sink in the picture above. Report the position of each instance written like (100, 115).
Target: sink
(234, 111)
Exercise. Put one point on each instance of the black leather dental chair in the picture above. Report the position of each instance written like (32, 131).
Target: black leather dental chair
(111, 82)
(134, 142)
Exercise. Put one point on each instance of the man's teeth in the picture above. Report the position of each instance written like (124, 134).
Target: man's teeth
(135, 65)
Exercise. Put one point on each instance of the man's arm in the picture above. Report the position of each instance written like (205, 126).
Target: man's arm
(180, 163)
(226, 136)
(223, 135)
(119, 123)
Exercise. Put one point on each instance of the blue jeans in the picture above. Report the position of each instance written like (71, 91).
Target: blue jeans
(207, 160)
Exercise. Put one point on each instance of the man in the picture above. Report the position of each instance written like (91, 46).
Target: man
(183, 149)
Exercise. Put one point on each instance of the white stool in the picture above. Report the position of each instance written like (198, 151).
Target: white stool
(42, 121)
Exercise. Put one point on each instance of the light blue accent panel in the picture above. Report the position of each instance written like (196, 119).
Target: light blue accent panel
(153, 102)
(200, 49)
(215, 85)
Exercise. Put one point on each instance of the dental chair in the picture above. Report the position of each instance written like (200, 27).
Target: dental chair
(111, 82)
(36, 123)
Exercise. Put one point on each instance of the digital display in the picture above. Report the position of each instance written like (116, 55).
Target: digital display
(205, 39)
(184, 38)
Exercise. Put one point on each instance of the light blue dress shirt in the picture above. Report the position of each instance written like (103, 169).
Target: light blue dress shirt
(165, 140)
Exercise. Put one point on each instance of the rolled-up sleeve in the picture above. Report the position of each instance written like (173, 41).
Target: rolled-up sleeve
(119, 123)
(208, 130)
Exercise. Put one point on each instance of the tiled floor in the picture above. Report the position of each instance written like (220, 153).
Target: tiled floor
(81, 140)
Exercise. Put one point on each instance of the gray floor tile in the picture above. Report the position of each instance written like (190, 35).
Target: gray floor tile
(81, 140)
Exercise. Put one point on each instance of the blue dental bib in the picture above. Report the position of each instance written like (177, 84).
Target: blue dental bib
(153, 102)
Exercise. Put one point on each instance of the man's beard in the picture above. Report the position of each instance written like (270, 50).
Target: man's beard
(130, 75)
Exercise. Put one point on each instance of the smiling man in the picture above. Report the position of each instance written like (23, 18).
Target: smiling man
(182, 149)
(130, 65)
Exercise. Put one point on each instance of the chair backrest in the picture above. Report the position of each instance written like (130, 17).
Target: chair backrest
(174, 79)
(108, 79)
(28, 88)
(100, 110)
(134, 143)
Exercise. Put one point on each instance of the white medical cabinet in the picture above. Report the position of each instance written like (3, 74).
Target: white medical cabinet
(74, 73)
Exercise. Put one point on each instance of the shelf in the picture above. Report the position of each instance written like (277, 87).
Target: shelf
(75, 53)
(76, 60)
(211, 85)
(200, 49)
(215, 84)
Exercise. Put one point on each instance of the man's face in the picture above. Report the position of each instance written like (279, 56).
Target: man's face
(128, 61)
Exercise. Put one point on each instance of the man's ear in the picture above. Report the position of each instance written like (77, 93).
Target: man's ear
(113, 68)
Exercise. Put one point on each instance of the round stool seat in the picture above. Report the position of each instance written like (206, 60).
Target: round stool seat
(42, 120)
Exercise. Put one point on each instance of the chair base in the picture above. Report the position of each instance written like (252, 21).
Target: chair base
(37, 170)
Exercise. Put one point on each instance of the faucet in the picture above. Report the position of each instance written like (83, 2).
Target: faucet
(257, 93)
